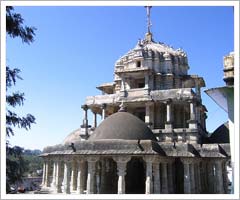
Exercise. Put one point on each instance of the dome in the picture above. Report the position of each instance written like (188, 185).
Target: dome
(122, 125)
(72, 137)
(221, 134)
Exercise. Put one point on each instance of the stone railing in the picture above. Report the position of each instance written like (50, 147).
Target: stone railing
(135, 69)
(177, 135)
(175, 130)
(183, 93)
(137, 92)
(100, 99)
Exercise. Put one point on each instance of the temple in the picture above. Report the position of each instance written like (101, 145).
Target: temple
(152, 137)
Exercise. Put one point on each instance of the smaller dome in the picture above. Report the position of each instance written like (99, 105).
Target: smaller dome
(122, 125)
(72, 137)
(221, 134)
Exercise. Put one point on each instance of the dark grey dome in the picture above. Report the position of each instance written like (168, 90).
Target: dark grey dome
(221, 134)
(122, 125)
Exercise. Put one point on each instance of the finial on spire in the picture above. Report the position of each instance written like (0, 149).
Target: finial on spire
(148, 18)
(122, 107)
(148, 35)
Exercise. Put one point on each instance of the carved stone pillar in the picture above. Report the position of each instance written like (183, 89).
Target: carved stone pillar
(204, 176)
(192, 111)
(219, 177)
(123, 89)
(91, 174)
(123, 83)
(156, 176)
(164, 177)
(94, 120)
(197, 89)
(98, 172)
(47, 177)
(198, 112)
(146, 77)
(170, 177)
(53, 184)
(210, 177)
(148, 183)
(149, 114)
(187, 182)
(168, 124)
(103, 177)
(103, 106)
(225, 177)
(44, 173)
(192, 122)
(121, 167)
(58, 188)
(198, 184)
(85, 120)
(73, 176)
(81, 173)
(128, 83)
(192, 178)
(66, 179)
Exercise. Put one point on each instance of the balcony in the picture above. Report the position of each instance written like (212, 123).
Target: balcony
(141, 94)
(178, 94)
(136, 92)
(131, 70)
(100, 99)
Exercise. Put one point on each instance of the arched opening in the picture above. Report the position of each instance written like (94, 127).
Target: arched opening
(135, 177)
(179, 176)
(108, 176)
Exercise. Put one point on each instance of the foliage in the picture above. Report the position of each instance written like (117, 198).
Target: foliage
(34, 152)
(34, 161)
(15, 28)
(15, 163)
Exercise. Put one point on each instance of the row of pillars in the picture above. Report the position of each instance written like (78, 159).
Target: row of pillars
(169, 117)
(125, 86)
(85, 120)
(68, 182)
(148, 116)
(211, 177)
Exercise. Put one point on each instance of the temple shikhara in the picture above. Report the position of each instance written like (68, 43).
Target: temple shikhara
(152, 138)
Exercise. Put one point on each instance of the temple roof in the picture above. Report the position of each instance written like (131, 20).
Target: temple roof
(143, 147)
(122, 125)
(143, 46)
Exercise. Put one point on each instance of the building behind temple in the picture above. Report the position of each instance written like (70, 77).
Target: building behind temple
(152, 138)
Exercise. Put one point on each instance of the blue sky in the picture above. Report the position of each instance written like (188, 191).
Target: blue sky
(75, 50)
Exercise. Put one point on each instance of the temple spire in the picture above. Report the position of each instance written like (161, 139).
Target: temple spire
(148, 18)
(148, 35)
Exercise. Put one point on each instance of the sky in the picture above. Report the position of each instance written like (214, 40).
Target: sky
(76, 47)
